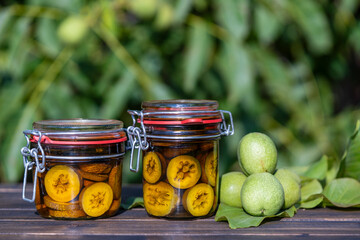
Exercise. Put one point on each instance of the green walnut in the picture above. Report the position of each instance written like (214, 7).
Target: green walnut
(257, 153)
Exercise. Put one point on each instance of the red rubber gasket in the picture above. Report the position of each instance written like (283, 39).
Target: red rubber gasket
(182, 122)
(47, 140)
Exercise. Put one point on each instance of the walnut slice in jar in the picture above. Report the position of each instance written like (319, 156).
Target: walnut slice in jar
(160, 199)
(154, 167)
(183, 171)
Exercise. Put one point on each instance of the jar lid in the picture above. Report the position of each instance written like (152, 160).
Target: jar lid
(180, 105)
(78, 125)
(78, 131)
(181, 111)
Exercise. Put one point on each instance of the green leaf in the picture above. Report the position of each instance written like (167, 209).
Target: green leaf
(312, 20)
(319, 169)
(312, 202)
(5, 17)
(238, 218)
(344, 15)
(309, 189)
(233, 15)
(68, 5)
(9, 107)
(354, 36)
(197, 56)
(182, 9)
(349, 5)
(267, 24)
(311, 194)
(18, 48)
(117, 96)
(333, 169)
(278, 82)
(77, 77)
(161, 91)
(351, 160)
(237, 70)
(113, 69)
(46, 33)
(133, 202)
(343, 192)
(59, 102)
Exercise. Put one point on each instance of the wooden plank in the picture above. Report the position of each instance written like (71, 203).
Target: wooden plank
(134, 220)
(174, 228)
(222, 237)
(314, 215)
(18, 219)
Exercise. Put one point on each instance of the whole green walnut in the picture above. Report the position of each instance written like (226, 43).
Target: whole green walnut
(291, 185)
(164, 16)
(72, 30)
(144, 8)
(230, 189)
(257, 153)
(262, 194)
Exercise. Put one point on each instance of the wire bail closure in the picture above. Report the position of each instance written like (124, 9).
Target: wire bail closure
(138, 137)
(226, 130)
(26, 152)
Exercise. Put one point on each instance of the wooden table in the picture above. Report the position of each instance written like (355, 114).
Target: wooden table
(19, 220)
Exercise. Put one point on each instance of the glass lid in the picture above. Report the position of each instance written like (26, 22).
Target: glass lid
(191, 111)
(180, 105)
(77, 125)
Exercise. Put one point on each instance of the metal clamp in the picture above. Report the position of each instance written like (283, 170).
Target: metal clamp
(137, 139)
(226, 130)
(29, 164)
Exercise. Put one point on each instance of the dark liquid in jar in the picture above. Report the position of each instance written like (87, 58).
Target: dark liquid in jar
(186, 183)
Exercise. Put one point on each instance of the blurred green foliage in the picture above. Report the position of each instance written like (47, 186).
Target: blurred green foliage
(288, 68)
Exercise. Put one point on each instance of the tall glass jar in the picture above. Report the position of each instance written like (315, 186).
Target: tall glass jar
(179, 140)
(76, 166)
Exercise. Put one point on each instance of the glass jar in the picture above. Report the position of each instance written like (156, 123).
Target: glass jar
(76, 166)
(179, 140)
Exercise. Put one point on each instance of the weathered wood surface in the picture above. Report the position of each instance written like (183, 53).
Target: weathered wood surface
(18, 220)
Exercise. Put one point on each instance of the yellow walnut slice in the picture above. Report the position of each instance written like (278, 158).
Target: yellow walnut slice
(159, 199)
(62, 183)
(96, 167)
(87, 182)
(210, 169)
(178, 149)
(115, 180)
(183, 171)
(60, 205)
(114, 208)
(199, 199)
(153, 167)
(37, 192)
(96, 177)
(96, 199)
(67, 214)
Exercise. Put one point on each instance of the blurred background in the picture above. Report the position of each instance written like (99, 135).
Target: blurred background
(288, 68)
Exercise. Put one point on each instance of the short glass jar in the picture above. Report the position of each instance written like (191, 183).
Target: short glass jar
(76, 166)
(179, 140)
